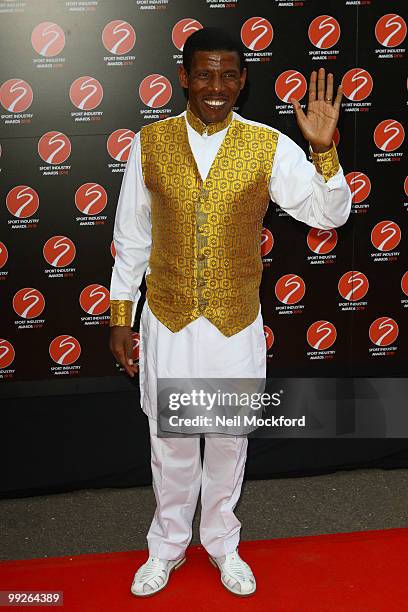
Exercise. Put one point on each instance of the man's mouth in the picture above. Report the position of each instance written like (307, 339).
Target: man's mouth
(216, 104)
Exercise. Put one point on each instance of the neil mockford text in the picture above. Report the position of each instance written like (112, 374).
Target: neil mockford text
(236, 421)
(208, 401)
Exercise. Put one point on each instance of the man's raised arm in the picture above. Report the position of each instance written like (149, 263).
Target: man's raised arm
(315, 193)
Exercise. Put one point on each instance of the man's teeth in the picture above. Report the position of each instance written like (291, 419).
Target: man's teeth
(215, 103)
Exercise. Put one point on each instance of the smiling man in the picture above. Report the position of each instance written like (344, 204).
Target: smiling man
(214, 81)
(190, 211)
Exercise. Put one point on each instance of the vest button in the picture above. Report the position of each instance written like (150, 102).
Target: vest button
(201, 256)
(201, 228)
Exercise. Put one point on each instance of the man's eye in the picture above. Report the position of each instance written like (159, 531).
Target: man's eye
(203, 75)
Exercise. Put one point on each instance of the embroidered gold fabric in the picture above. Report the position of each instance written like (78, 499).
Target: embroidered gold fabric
(206, 235)
(327, 163)
(209, 129)
(120, 313)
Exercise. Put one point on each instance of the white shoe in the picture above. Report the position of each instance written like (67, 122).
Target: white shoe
(153, 575)
(236, 575)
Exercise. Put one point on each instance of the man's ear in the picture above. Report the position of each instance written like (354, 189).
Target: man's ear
(183, 76)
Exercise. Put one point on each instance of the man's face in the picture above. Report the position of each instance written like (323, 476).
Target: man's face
(213, 84)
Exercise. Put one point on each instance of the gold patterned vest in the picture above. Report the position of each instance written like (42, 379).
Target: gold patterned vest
(206, 235)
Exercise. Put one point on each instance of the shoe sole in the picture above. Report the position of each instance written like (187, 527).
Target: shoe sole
(179, 564)
(215, 564)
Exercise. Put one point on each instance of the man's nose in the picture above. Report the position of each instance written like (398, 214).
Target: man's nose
(215, 83)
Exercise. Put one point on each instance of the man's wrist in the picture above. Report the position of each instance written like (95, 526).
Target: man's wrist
(320, 148)
(120, 313)
(326, 163)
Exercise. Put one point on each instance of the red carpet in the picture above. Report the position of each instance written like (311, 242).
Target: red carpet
(355, 572)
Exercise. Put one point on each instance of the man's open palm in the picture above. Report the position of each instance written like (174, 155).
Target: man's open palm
(319, 122)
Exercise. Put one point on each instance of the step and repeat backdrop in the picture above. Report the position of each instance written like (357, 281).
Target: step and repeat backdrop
(78, 80)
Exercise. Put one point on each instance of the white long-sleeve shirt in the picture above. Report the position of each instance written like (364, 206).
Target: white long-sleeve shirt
(295, 186)
(200, 350)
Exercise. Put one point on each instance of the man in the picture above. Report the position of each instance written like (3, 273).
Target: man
(194, 193)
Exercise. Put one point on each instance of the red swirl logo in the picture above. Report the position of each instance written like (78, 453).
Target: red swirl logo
(65, 349)
(94, 299)
(266, 241)
(290, 289)
(257, 33)
(383, 331)
(182, 30)
(112, 249)
(135, 346)
(48, 39)
(59, 251)
(22, 201)
(86, 93)
(28, 303)
(119, 144)
(353, 286)
(290, 84)
(3, 255)
(16, 95)
(54, 147)
(357, 84)
(390, 30)
(324, 32)
(389, 135)
(269, 337)
(7, 354)
(91, 198)
(321, 335)
(404, 283)
(386, 235)
(321, 241)
(155, 90)
(360, 186)
(118, 37)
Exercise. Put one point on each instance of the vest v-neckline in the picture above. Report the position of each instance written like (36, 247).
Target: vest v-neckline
(216, 158)
(212, 128)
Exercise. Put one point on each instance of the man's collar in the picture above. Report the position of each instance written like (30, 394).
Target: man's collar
(202, 128)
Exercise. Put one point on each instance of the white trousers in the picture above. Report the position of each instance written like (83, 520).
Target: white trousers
(178, 476)
(199, 350)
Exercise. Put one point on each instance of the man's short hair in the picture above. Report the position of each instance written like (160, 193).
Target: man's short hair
(212, 39)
